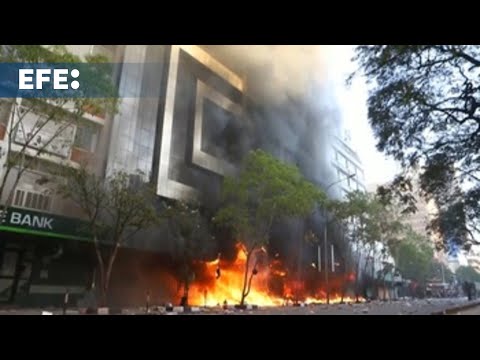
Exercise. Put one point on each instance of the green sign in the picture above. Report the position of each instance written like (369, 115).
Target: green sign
(37, 223)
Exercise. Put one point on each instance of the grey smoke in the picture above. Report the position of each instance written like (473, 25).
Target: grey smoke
(295, 113)
(292, 113)
(275, 72)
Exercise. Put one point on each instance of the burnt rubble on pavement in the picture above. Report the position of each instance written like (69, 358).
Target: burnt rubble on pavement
(401, 307)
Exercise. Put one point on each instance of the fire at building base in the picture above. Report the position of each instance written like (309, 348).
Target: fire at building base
(220, 282)
(188, 115)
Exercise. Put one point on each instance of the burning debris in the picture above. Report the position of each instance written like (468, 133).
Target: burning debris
(218, 272)
(289, 111)
(219, 283)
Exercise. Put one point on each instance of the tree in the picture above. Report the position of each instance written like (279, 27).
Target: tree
(34, 128)
(467, 273)
(116, 209)
(266, 190)
(353, 212)
(424, 107)
(414, 257)
(439, 271)
(388, 229)
(193, 239)
(372, 225)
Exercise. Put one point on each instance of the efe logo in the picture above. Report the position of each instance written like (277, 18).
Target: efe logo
(33, 79)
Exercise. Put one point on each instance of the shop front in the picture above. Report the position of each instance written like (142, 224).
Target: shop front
(41, 256)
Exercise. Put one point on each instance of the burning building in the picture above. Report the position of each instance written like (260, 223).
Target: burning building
(188, 115)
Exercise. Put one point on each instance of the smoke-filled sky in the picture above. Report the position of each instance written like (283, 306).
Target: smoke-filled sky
(353, 104)
(277, 72)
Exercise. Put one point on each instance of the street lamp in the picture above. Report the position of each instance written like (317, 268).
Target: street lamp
(325, 242)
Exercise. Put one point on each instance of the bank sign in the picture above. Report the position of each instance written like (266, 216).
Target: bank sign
(41, 224)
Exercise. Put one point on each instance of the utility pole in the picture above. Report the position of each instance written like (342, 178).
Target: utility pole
(319, 257)
(325, 238)
(325, 254)
(443, 274)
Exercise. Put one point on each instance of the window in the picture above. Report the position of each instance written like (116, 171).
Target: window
(86, 137)
(19, 198)
(32, 200)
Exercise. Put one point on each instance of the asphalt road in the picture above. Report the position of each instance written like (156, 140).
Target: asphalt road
(403, 307)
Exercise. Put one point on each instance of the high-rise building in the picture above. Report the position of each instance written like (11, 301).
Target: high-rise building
(350, 177)
(186, 119)
(425, 211)
(348, 167)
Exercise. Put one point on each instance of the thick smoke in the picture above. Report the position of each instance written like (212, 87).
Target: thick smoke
(275, 73)
(294, 113)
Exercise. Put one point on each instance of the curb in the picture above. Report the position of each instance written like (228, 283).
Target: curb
(245, 307)
(153, 310)
(182, 309)
(98, 311)
(456, 309)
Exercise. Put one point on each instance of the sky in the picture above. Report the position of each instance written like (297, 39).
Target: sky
(353, 105)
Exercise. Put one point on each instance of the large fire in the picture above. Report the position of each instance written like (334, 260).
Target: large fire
(228, 284)
(221, 282)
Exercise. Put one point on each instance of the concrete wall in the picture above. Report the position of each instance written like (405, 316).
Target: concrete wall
(29, 182)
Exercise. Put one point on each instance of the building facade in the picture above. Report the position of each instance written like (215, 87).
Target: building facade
(185, 121)
(347, 166)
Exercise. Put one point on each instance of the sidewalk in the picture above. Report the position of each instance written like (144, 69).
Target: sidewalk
(403, 307)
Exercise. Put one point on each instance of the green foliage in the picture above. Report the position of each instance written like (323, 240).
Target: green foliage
(424, 108)
(129, 207)
(85, 189)
(467, 273)
(59, 116)
(414, 257)
(36, 54)
(115, 209)
(190, 229)
(98, 74)
(376, 221)
(193, 238)
(439, 272)
(379, 221)
(266, 190)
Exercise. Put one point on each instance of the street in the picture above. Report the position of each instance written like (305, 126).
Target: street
(471, 311)
(403, 307)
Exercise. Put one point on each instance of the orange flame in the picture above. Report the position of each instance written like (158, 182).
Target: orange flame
(225, 281)
(229, 285)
